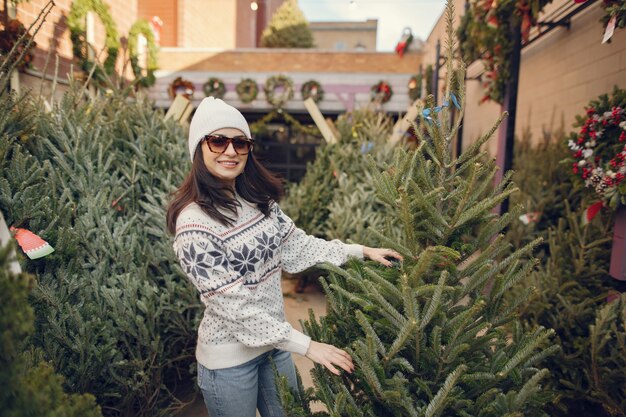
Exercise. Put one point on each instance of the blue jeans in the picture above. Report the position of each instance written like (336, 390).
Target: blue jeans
(238, 391)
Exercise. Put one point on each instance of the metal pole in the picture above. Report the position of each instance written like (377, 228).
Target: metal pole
(435, 80)
(506, 134)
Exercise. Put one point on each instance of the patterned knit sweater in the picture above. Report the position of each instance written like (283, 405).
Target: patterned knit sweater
(237, 272)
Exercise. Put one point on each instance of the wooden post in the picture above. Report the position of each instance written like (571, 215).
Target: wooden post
(180, 109)
(403, 124)
(506, 133)
(319, 120)
(618, 252)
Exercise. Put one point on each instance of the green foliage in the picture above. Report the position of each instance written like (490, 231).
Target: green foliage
(77, 26)
(545, 186)
(115, 315)
(29, 389)
(142, 27)
(435, 335)
(608, 357)
(572, 283)
(336, 199)
(288, 28)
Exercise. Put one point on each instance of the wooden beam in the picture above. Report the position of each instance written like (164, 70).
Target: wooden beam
(403, 124)
(180, 109)
(319, 120)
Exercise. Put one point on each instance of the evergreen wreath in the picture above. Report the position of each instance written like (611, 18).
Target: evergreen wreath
(599, 148)
(247, 90)
(312, 89)
(275, 82)
(76, 25)
(415, 86)
(381, 91)
(214, 87)
(181, 86)
(142, 27)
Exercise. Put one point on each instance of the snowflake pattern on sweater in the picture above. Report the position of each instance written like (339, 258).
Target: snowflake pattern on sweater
(237, 269)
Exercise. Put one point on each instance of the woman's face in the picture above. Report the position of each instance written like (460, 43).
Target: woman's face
(227, 165)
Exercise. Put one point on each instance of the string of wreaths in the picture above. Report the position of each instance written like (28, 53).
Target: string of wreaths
(381, 92)
(277, 83)
(312, 89)
(181, 86)
(247, 90)
(142, 27)
(214, 87)
(76, 25)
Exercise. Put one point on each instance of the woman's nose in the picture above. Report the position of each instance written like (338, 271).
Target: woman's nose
(230, 149)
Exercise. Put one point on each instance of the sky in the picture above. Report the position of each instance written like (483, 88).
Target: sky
(393, 16)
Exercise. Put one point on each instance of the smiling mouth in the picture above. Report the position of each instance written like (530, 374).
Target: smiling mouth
(228, 164)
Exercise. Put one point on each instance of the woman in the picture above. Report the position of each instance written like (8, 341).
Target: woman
(232, 241)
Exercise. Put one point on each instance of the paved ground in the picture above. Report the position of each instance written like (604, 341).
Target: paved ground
(296, 307)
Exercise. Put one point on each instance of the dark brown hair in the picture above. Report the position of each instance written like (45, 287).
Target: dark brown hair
(256, 184)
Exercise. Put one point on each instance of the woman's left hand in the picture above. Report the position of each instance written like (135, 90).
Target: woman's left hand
(381, 254)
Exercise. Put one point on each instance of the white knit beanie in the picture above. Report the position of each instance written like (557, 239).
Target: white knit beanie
(213, 114)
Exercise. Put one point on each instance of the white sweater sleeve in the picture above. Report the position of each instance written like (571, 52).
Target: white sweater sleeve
(203, 259)
(301, 251)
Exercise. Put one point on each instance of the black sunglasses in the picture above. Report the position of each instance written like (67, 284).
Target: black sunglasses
(218, 143)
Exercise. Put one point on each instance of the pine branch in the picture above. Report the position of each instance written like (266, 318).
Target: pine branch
(390, 288)
(370, 332)
(434, 302)
(475, 147)
(524, 352)
(437, 404)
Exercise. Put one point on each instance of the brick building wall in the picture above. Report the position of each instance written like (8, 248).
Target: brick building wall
(347, 36)
(167, 11)
(559, 74)
(223, 24)
(207, 23)
(54, 38)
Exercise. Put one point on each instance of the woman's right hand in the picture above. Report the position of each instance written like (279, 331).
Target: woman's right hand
(328, 356)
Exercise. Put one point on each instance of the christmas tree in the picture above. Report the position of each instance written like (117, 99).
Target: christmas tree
(115, 315)
(572, 286)
(30, 386)
(336, 198)
(288, 28)
(436, 335)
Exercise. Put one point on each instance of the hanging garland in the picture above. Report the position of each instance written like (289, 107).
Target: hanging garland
(599, 148)
(181, 86)
(247, 90)
(415, 86)
(9, 37)
(615, 13)
(485, 34)
(214, 87)
(312, 89)
(143, 27)
(278, 82)
(381, 91)
(76, 24)
(259, 125)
